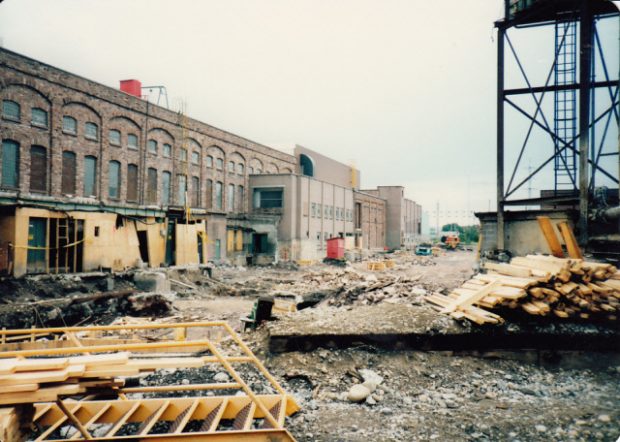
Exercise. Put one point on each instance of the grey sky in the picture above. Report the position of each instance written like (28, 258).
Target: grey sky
(403, 89)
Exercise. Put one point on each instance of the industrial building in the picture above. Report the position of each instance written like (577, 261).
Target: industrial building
(94, 177)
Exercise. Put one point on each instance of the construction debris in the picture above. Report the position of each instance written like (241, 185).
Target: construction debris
(42, 367)
(539, 285)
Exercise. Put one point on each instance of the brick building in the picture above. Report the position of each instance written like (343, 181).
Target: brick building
(112, 172)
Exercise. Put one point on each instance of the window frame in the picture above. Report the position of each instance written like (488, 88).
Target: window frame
(167, 150)
(65, 129)
(149, 144)
(219, 163)
(240, 169)
(209, 161)
(195, 157)
(9, 117)
(133, 146)
(117, 164)
(88, 159)
(17, 146)
(36, 123)
(87, 131)
(112, 141)
(259, 201)
(183, 155)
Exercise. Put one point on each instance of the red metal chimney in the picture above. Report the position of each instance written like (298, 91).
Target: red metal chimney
(132, 87)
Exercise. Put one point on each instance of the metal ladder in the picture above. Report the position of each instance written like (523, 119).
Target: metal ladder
(565, 105)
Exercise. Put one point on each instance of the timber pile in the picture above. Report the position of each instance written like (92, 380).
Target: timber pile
(31, 380)
(539, 285)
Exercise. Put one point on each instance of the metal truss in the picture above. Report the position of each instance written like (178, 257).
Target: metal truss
(577, 136)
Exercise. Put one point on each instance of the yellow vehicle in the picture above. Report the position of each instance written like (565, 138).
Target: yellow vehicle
(450, 240)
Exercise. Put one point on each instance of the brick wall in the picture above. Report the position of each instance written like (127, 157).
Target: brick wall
(36, 85)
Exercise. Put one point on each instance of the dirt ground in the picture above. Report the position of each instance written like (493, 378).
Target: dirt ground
(415, 395)
(425, 395)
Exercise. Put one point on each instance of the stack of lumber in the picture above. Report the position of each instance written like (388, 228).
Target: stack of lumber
(539, 285)
(31, 380)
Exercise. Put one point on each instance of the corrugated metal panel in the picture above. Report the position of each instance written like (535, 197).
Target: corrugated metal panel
(38, 169)
(132, 182)
(68, 173)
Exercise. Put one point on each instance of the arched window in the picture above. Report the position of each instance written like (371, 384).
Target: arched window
(132, 182)
(132, 141)
(114, 137)
(90, 176)
(114, 179)
(11, 110)
(231, 166)
(68, 173)
(152, 146)
(69, 125)
(38, 169)
(240, 168)
(209, 161)
(39, 117)
(10, 164)
(91, 131)
(306, 164)
(219, 163)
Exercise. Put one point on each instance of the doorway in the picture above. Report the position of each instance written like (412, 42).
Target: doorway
(218, 249)
(201, 258)
(37, 243)
(170, 243)
(143, 243)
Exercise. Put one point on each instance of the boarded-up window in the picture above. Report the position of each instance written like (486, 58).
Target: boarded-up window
(38, 169)
(68, 173)
(165, 188)
(69, 125)
(114, 179)
(90, 176)
(182, 189)
(209, 199)
(151, 189)
(195, 191)
(11, 110)
(132, 182)
(39, 117)
(10, 163)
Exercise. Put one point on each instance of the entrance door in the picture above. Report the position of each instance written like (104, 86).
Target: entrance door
(218, 249)
(201, 259)
(37, 241)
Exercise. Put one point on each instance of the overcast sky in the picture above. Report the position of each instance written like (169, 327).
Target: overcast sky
(405, 90)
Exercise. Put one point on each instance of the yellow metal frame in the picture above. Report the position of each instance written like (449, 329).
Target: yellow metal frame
(258, 406)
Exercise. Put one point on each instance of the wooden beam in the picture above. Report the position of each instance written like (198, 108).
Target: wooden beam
(571, 242)
(552, 240)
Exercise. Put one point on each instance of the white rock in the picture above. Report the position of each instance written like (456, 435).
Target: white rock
(358, 393)
(220, 377)
(541, 428)
(604, 418)
(371, 376)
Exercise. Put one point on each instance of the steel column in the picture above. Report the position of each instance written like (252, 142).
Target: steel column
(585, 65)
(500, 137)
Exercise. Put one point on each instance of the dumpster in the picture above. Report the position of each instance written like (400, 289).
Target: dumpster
(335, 248)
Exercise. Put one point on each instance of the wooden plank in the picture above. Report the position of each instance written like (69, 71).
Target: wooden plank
(569, 239)
(468, 299)
(509, 281)
(552, 240)
(507, 269)
(41, 395)
(30, 377)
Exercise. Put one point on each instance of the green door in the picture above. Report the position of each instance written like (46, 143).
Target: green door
(218, 249)
(37, 241)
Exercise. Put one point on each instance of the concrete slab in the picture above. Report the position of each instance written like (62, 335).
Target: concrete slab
(398, 327)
